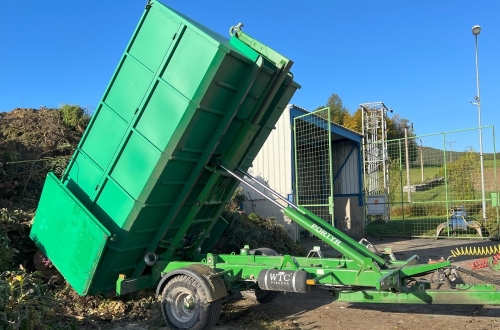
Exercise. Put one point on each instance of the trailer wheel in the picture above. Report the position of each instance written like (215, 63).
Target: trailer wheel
(184, 305)
(264, 252)
(260, 296)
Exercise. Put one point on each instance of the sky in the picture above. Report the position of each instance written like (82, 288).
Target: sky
(418, 57)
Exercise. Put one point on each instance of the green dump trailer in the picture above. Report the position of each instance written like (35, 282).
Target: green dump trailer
(140, 204)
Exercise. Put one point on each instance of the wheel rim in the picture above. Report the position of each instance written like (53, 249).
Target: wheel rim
(183, 307)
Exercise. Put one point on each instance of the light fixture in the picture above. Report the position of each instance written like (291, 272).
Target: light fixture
(476, 29)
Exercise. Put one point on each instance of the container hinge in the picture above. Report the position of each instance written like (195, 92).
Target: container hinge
(233, 30)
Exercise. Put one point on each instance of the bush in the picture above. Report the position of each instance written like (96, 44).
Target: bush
(419, 210)
(17, 247)
(24, 302)
(6, 253)
(492, 224)
(74, 116)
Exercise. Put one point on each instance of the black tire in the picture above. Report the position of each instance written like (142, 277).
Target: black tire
(184, 305)
(260, 296)
(264, 252)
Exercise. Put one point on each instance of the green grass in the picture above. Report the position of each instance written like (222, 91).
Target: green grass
(489, 162)
(436, 194)
(430, 172)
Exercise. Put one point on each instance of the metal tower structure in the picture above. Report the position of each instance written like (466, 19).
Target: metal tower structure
(375, 160)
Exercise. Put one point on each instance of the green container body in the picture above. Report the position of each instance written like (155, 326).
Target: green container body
(142, 178)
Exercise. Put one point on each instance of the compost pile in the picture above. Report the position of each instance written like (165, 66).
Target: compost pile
(256, 232)
(32, 293)
(32, 143)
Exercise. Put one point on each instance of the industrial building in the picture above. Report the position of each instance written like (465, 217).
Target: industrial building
(314, 163)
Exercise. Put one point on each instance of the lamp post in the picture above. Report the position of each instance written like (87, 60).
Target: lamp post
(476, 29)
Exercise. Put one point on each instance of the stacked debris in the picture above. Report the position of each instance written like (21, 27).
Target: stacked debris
(32, 143)
(256, 232)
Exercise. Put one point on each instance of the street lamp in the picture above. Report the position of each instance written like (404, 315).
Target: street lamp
(476, 29)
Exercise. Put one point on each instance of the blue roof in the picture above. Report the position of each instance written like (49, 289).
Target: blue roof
(339, 130)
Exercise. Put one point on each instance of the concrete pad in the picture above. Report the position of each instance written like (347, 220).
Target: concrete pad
(404, 248)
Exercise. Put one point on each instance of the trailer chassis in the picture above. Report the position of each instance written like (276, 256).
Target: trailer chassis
(360, 275)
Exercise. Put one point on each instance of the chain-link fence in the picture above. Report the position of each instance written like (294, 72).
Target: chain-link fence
(441, 185)
(314, 180)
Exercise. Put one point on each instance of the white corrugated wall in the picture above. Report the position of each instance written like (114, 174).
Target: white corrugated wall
(273, 167)
(273, 163)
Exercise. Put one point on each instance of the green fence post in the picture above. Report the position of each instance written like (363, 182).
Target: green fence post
(331, 198)
(445, 182)
(401, 185)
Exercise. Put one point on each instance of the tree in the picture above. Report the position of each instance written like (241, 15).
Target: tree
(355, 122)
(462, 174)
(338, 112)
(395, 181)
(396, 134)
(396, 127)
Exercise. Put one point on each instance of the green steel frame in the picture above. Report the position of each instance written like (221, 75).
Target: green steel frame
(314, 179)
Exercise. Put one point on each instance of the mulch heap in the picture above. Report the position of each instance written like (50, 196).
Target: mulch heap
(32, 143)
(257, 232)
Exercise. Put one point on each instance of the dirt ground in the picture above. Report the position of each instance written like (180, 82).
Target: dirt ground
(316, 310)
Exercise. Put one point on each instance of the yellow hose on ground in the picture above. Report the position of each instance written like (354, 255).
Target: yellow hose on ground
(475, 251)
